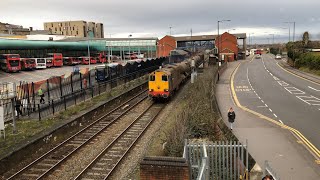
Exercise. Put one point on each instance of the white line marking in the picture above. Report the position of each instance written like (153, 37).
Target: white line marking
(282, 83)
(313, 88)
(259, 97)
(275, 115)
(261, 106)
(294, 90)
(266, 105)
(299, 97)
(262, 101)
(271, 74)
(270, 110)
(281, 121)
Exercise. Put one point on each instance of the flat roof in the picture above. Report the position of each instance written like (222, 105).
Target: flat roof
(206, 37)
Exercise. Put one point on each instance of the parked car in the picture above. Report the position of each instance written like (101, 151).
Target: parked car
(278, 56)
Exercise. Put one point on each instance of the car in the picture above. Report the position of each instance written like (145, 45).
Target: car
(258, 56)
(278, 56)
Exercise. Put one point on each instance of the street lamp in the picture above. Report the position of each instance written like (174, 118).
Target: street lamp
(249, 38)
(289, 32)
(294, 29)
(272, 38)
(170, 30)
(130, 35)
(219, 41)
(88, 34)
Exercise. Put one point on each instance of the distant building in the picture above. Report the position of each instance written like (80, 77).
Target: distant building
(6, 28)
(75, 28)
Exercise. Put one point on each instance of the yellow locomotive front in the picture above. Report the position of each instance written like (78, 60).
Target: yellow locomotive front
(159, 84)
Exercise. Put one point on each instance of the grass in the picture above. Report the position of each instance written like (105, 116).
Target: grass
(26, 129)
(305, 69)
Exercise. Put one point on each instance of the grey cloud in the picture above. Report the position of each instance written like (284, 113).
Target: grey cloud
(147, 16)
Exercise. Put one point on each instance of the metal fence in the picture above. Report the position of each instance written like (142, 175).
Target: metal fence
(62, 92)
(218, 160)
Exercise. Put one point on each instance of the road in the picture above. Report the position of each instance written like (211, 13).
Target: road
(38, 75)
(263, 86)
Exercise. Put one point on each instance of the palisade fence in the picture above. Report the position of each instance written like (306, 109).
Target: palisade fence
(218, 160)
(62, 92)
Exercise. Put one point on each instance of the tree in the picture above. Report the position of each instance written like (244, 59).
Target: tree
(305, 38)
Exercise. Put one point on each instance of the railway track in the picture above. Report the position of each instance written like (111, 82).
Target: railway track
(45, 164)
(107, 161)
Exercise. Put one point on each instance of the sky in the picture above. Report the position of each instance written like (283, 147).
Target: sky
(150, 18)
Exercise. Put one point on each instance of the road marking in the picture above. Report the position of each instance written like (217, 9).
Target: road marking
(271, 74)
(300, 142)
(313, 88)
(315, 151)
(317, 161)
(275, 78)
(282, 83)
(297, 75)
(262, 101)
(261, 106)
(275, 115)
(270, 110)
(259, 97)
(294, 90)
(311, 100)
(281, 121)
(266, 105)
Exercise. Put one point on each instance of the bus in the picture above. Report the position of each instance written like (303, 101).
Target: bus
(84, 60)
(56, 59)
(40, 63)
(71, 61)
(10, 62)
(101, 57)
(27, 64)
(94, 60)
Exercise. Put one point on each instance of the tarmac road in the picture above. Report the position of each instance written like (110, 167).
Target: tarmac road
(263, 86)
(39, 74)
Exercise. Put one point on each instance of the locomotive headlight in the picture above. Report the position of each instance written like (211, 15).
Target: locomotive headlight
(166, 90)
(150, 90)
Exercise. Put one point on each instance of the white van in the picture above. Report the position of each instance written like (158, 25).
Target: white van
(41, 63)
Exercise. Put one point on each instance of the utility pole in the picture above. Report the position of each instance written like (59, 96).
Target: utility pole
(294, 30)
(170, 30)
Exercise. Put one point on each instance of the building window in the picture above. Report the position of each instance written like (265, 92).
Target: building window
(51, 24)
(60, 28)
(55, 29)
(73, 27)
(77, 32)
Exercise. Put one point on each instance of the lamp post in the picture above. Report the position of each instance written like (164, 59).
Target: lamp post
(130, 35)
(289, 32)
(250, 37)
(272, 39)
(170, 30)
(294, 29)
(219, 41)
(88, 33)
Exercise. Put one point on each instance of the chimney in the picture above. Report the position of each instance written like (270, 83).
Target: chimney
(31, 28)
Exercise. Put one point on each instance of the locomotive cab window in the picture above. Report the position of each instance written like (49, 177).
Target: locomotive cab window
(152, 78)
(164, 78)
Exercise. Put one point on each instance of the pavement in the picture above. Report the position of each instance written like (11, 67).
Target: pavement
(268, 140)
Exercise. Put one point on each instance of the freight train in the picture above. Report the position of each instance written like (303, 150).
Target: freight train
(164, 82)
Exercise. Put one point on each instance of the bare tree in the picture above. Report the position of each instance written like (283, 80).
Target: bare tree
(305, 38)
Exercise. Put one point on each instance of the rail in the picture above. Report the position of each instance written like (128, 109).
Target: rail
(77, 141)
(107, 161)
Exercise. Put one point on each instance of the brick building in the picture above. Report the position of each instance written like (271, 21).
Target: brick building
(75, 28)
(165, 45)
(164, 168)
(228, 47)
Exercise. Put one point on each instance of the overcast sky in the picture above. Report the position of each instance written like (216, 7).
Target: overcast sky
(152, 18)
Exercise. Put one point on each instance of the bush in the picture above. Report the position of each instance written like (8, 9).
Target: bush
(309, 60)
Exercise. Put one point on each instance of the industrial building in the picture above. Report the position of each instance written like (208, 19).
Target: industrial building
(6, 28)
(75, 28)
